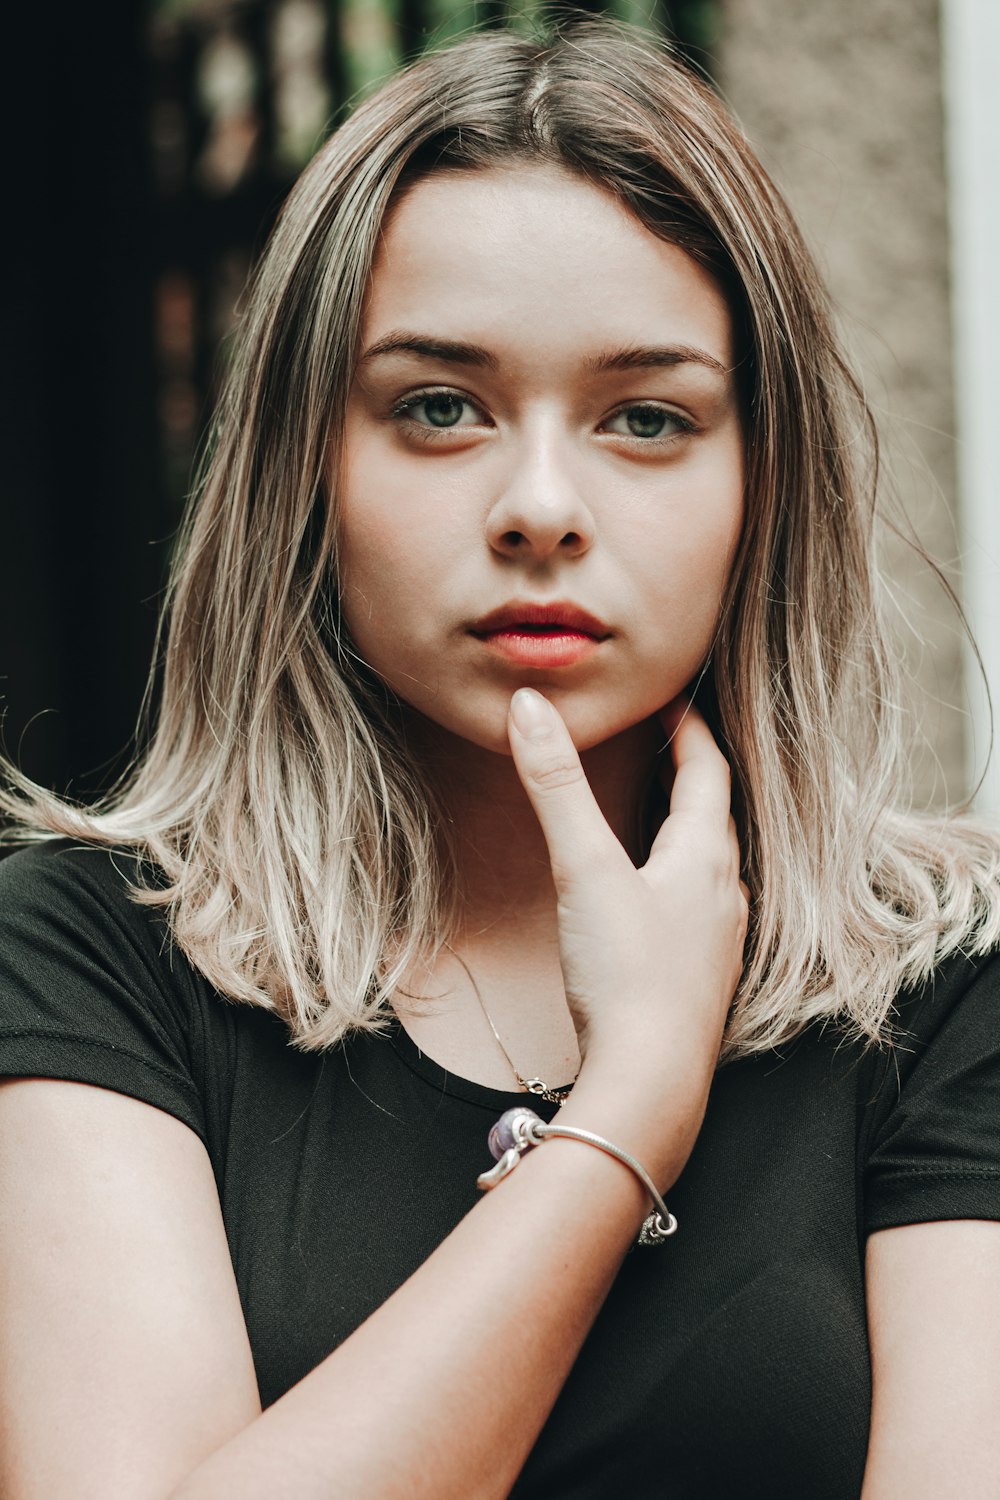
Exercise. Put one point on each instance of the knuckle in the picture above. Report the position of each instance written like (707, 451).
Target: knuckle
(719, 862)
(555, 774)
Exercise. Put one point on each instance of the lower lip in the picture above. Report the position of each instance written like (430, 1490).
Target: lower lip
(540, 649)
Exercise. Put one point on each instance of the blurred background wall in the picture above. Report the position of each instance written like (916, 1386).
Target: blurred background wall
(152, 144)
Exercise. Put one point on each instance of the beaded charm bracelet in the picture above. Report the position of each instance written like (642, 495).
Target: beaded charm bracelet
(518, 1129)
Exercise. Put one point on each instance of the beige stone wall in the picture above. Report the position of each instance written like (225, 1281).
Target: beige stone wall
(843, 100)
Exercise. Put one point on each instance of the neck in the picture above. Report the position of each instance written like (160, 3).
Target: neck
(503, 962)
(502, 864)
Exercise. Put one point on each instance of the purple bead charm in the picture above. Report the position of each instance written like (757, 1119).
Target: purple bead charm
(501, 1136)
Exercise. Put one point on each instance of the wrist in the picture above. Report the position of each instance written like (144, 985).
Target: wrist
(656, 1118)
(520, 1130)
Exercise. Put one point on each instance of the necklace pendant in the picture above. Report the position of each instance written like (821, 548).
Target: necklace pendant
(536, 1086)
(541, 1090)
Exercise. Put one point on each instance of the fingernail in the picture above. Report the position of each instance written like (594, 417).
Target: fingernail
(532, 714)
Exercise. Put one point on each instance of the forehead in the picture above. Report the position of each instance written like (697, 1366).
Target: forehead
(537, 258)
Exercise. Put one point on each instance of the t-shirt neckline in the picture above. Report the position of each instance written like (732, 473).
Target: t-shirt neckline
(453, 1084)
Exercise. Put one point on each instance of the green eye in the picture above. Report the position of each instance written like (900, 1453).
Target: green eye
(442, 409)
(427, 412)
(645, 421)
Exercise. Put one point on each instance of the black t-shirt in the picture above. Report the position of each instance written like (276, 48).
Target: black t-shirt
(732, 1360)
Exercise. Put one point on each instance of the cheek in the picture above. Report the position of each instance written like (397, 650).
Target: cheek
(370, 545)
(390, 567)
(678, 591)
(681, 565)
(371, 537)
(385, 525)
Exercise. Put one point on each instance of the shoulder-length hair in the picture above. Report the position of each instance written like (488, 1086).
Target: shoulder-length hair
(304, 868)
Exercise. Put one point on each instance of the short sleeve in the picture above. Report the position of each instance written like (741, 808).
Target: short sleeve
(934, 1129)
(88, 989)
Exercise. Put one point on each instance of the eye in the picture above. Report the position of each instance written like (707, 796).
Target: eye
(439, 410)
(646, 419)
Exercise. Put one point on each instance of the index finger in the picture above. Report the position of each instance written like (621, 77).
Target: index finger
(576, 830)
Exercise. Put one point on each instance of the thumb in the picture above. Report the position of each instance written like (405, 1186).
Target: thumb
(546, 760)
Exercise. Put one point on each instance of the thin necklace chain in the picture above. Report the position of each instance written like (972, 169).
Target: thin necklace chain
(536, 1086)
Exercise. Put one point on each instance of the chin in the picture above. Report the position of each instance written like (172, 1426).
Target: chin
(588, 725)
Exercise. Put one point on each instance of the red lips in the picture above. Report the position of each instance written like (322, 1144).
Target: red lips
(541, 637)
(557, 618)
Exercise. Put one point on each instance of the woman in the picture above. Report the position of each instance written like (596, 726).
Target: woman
(537, 440)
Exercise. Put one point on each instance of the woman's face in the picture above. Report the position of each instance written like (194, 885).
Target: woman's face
(542, 479)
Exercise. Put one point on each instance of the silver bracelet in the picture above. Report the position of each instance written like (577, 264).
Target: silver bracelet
(519, 1129)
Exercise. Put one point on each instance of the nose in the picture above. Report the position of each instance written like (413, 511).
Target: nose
(540, 510)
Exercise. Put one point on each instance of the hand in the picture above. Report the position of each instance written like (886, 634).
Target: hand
(651, 957)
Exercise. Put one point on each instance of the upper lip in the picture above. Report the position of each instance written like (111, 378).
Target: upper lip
(524, 612)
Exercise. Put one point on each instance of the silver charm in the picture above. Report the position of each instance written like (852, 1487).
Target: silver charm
(655, 1230)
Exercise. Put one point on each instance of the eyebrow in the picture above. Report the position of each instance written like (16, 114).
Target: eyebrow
(456, 352)
(451, 351)
(655, 358)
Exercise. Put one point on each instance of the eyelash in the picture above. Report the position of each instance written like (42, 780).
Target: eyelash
(400, 412)
(427, 433)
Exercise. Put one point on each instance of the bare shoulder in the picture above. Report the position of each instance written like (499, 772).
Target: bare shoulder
(933, 1294)
(124, 1357)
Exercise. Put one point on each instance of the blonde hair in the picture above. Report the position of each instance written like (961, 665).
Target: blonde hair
(302, 859)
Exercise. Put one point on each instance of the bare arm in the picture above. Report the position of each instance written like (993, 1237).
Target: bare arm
(934, 1319)
(142, 1353)
(125, 1362)
(124, 1358)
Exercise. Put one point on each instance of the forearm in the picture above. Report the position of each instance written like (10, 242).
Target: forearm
(442, 1392)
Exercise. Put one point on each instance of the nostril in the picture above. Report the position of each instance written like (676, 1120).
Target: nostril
(518, 541)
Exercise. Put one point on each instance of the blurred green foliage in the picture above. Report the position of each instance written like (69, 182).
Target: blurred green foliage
(372, 37)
